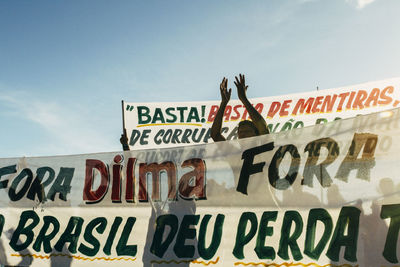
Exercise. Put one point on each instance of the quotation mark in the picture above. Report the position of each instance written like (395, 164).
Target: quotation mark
(129, 107)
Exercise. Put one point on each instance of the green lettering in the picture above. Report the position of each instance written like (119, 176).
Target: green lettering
(265, 252)
(44, 238)
(241, 237)
(392, 212)
(185, 232)
(158, 116)
(143, 115)
(122, 247)
(349, 217)
(110, 239)
(182, 113)
(193, 115)
(208, 253)
(2, 221)
(314, 216)
(158, 247)
(172, 115)
(71, 235)
(286, 240)
(100, 225)
(24, 230)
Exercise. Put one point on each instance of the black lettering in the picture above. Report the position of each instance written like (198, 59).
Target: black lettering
(4, 171)
(62, 184)
(364, 164)
(273, 170)
(37, 187)
(248, 168)
(186, 135)
(311, 168)
(175, 137)
(25, 173)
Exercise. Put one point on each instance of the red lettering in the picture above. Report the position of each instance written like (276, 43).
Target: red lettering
(116, 179)
(302, 105)
(244, 116)
(285, 106)
(237, 114)
(90, 195)
(259, 107)
(373, 97)
(130, 180)
(213, 113)
(155, 170)
(227, 113)
(360, 98)
(348, 105)
(342, 97)
(191, 184)
(318, 101)
(327, 106)
(386, 99)
(273, 109)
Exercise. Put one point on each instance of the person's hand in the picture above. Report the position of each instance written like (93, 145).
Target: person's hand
(124, 139)
(241, 87)
(225, 93)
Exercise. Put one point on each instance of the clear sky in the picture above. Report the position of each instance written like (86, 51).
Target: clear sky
(65, 66)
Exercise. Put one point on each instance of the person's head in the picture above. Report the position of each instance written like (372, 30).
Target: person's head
(247, 129)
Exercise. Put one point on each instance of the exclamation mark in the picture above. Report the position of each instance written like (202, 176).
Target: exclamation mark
(203, 113)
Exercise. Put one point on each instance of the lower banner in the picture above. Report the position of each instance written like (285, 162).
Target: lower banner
(325, 195)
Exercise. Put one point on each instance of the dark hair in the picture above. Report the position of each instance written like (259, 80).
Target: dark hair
(251, 124)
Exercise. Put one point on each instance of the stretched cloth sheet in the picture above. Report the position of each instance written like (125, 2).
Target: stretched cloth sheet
(171, 124)
(324, 195)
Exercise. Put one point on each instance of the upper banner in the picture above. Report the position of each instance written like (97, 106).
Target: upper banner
(325, 195)
(159, 125)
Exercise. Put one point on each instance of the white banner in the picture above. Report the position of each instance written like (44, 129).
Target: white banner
(313, 196)
(159, 125)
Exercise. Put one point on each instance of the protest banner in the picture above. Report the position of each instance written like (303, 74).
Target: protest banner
(324, 195)
(159, 125)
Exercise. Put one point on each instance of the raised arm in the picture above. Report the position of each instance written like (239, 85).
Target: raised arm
(217, 124)
(256, 117)
(124, 141)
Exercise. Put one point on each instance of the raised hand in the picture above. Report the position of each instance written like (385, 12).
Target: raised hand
(241, 87)
(225, 93)
(257, 119)
(124, 141)
(217, 124)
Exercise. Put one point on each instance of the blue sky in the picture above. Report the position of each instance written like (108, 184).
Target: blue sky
(65, 66)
